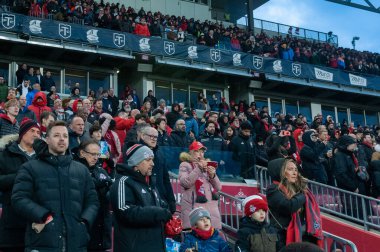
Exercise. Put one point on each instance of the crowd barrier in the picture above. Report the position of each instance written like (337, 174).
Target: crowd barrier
(351, 206)
(232, 210)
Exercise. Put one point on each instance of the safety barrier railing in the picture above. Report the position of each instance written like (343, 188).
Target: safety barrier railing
(351, 206)
(231, 210)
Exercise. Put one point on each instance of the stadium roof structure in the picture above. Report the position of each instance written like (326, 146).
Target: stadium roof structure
(367, 5)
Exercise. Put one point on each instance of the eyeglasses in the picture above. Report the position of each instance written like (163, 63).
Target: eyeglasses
(152, 137)
(97, 155)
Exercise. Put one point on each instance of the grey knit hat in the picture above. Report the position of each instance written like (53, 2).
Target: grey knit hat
(138, 153)
(196, 214)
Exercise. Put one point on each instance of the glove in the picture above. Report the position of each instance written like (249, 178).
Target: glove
(164, 215)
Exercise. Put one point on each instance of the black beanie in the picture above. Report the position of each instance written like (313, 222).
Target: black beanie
(245, 126)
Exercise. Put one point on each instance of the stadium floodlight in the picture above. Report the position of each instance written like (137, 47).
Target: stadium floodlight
(353, 42)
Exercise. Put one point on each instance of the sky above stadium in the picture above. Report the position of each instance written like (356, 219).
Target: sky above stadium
(320, 15)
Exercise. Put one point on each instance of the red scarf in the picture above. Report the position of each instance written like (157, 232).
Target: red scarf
(313, 220)
(204, 235)
(356, 162)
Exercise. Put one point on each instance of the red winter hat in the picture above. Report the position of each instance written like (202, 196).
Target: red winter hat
(26, 125)
(253, 203)
(196, 146)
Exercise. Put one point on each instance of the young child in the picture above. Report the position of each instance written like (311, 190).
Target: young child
(255, 234)
(203, 237)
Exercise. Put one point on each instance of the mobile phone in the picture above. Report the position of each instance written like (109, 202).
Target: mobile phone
(213, 164)
(103, 149)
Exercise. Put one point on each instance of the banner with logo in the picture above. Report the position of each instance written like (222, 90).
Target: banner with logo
(156, 46)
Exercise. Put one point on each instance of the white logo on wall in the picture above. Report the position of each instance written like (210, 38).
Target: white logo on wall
(357, 80)
(119, 39)
(258, 62)
(65, 31)
(323, 75)
(8, 20)
(236, 59)
(192, 52)
(35, 26)
(277, 67)
(296, 69)
(215, 55)
(169, 47)
(144, 44)
(92, 36)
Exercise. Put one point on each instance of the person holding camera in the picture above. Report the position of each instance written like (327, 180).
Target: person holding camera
(199, 184)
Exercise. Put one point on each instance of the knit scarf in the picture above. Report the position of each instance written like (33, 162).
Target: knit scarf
(356, 162)
(203, 234)
(201, 192)
(313, 220)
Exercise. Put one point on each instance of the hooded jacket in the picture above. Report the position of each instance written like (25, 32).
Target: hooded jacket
(12, 225)
(39, 106)
(345, 166)
(57, 186)
(173, 116)
(312, 167)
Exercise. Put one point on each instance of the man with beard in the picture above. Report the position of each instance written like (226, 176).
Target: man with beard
(210, 139)
(56, 196)
(179, 137)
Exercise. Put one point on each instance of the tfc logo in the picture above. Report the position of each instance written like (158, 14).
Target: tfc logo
(215, 55)
(169, 47)
(296, 69)
(8, 20)
(65, 31)
(258, 62)
(119, 39)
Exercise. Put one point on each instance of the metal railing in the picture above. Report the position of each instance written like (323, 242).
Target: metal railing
(351, 206)
(231, 210)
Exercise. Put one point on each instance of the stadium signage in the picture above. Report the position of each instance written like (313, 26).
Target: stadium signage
(64, 31)
(105, 38)
(323, 75)
(8, 21)
(169, 47)
(357, 80)
(296, 69)
(215, 55)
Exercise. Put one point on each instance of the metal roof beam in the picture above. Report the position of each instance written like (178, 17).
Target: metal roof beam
(366, 5)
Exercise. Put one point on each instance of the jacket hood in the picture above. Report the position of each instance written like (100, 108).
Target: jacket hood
(39, 95)
(247, 222)
(124, 169)
(42, 153)
(5, 117)
(185, 157)
(75, 105)
(344, 142)
(274, 168)
(7, 139)
(306, 138)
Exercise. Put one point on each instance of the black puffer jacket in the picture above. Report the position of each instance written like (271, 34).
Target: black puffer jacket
(180, 139)
(244, 150)
(139, 217)
(375, 172)
(101, 230)
(312, 166)
(344, 166)
(8, 127)
(12, 225)
(59, 186)
(212, 142)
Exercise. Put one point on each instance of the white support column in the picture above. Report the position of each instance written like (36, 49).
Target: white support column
(316, 108)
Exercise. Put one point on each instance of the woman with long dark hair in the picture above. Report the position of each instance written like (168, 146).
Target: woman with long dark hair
(293, 208)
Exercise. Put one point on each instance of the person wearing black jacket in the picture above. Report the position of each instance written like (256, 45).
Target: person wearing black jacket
(139, 216)
(173, 116)
(56, 196)
(278, 146)
(243, 149)
(312, 167)
(16, 150)
(179, 137)
(160, 176)
(210, 139)
(163, 137)
(346, 166)
(282, 206)
(101, 231)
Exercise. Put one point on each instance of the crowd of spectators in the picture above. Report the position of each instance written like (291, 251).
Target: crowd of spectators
(343, 156)
(214, 34)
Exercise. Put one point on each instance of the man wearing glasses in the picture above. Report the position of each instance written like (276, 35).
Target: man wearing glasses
(160, 175)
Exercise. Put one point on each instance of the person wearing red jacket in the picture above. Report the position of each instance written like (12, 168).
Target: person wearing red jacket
(39, 105)
(142, 28)
(123, 125)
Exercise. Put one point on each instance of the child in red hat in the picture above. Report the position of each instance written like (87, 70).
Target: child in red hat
(255, 234)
